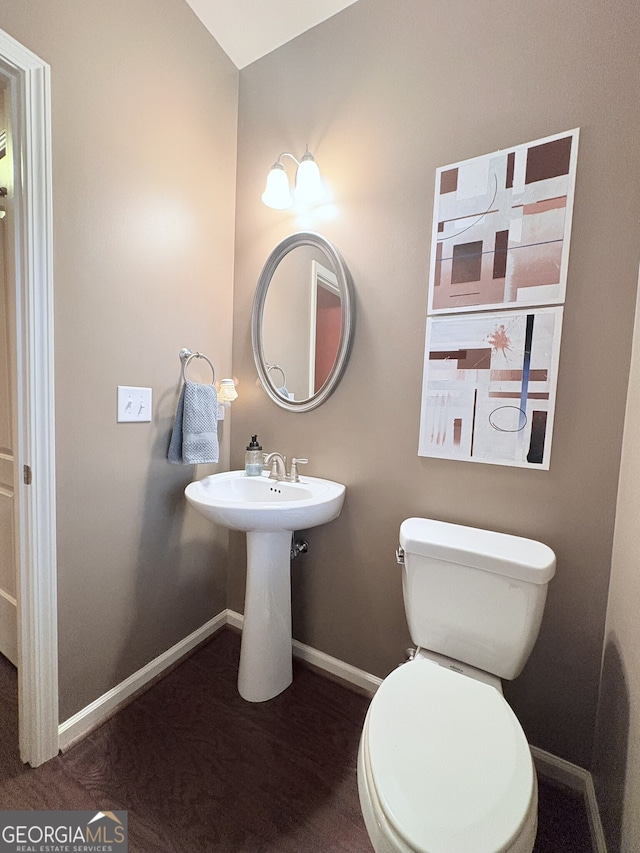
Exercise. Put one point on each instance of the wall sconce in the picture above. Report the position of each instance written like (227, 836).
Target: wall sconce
(308, 188)
(227, 393)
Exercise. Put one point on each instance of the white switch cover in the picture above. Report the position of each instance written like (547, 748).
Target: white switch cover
(134, 404)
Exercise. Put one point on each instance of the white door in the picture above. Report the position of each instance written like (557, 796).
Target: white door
(8, 610)
(28, 239)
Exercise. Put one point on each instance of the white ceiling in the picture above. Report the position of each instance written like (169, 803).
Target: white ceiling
(249, 29)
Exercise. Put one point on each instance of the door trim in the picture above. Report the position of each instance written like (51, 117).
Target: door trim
(30, 84)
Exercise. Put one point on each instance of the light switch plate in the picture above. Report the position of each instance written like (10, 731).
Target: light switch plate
(134, 404)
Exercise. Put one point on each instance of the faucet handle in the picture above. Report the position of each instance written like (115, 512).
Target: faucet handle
(293, 475)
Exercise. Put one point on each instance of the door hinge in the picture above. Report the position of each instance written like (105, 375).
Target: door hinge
(27, 475)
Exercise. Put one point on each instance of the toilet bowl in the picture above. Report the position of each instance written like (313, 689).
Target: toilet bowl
(443, 764)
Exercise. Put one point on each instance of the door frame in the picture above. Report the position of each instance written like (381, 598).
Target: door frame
(29, 82)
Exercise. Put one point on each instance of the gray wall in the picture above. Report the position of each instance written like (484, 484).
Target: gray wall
(144, 118)
(616, 765)
(384, 93)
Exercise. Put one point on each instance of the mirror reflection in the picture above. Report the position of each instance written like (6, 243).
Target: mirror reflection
(302, 321)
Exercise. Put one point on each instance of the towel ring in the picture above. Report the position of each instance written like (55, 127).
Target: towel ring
(277, 367)
(186, 356)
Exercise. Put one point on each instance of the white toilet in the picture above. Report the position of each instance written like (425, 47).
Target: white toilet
(443, 765)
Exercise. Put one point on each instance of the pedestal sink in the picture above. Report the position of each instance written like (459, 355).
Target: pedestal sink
(269, 511)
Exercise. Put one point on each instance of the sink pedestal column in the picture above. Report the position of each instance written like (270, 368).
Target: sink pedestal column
(265, 654)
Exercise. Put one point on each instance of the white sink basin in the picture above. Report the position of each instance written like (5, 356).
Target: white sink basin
(269, 512)
(257, 503)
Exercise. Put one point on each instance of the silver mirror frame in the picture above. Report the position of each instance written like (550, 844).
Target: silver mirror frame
(345, 285)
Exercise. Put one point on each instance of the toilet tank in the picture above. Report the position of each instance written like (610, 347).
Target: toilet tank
(474, 595)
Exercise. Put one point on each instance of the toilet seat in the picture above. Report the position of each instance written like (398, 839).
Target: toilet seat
(449, 763)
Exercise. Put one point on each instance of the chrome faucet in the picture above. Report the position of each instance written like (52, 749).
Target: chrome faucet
(277, 463)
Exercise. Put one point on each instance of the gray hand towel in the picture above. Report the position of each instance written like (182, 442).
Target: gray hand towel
(194, 439)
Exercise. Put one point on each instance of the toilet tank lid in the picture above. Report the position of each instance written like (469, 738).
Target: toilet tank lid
(500, 553)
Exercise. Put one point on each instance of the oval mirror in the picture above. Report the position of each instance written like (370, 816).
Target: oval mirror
(302, 322)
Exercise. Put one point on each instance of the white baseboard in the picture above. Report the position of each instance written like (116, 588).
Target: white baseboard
(578, 779)
(344, 671)
(593, 813)
(236, 620)
(558, 770)
(548, 765)
(104, 706)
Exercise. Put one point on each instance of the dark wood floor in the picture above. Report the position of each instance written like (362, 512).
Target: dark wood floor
(201, 771)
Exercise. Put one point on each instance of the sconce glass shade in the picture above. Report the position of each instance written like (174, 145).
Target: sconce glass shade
(277, 194)
(309, 187)
(227, 392)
